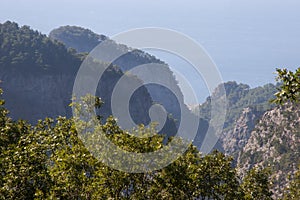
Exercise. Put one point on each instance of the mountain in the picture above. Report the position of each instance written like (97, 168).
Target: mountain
(274, 143)
(259, 134)
(37, 76)
(245, 106)
(84, 41)
(239, 96)
(38, 73)
(81, 39)
(235, 138)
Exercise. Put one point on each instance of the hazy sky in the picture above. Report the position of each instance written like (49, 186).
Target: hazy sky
(112, 16)
(246, 39)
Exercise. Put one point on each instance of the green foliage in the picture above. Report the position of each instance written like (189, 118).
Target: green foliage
(256, 185)
(25, 49)
(290, 88)
(293, 189)
(289, 91)
(49, 161)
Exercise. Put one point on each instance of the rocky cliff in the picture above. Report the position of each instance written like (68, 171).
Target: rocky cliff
(234, 139)
(274, 143)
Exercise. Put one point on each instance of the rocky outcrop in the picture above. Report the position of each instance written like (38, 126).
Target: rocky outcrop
(233, 140)
(245, 106)
(274, 143)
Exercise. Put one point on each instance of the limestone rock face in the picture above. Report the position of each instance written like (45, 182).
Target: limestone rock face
(274, 143)
(235, 139)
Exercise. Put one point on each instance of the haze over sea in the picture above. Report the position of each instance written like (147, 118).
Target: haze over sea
(246, 39)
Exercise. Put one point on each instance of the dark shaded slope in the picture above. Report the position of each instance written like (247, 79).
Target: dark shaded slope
(84, 40)
(37, 76)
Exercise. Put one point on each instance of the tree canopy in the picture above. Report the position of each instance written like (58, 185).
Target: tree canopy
(290, 88)
(49, 161)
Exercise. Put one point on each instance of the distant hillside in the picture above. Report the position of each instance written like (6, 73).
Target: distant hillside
(240, 96)
(74, 36)
(25, 50)
(38, 73)
(84, 40)
(81, 39)
(37, 76)
(244, 109)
